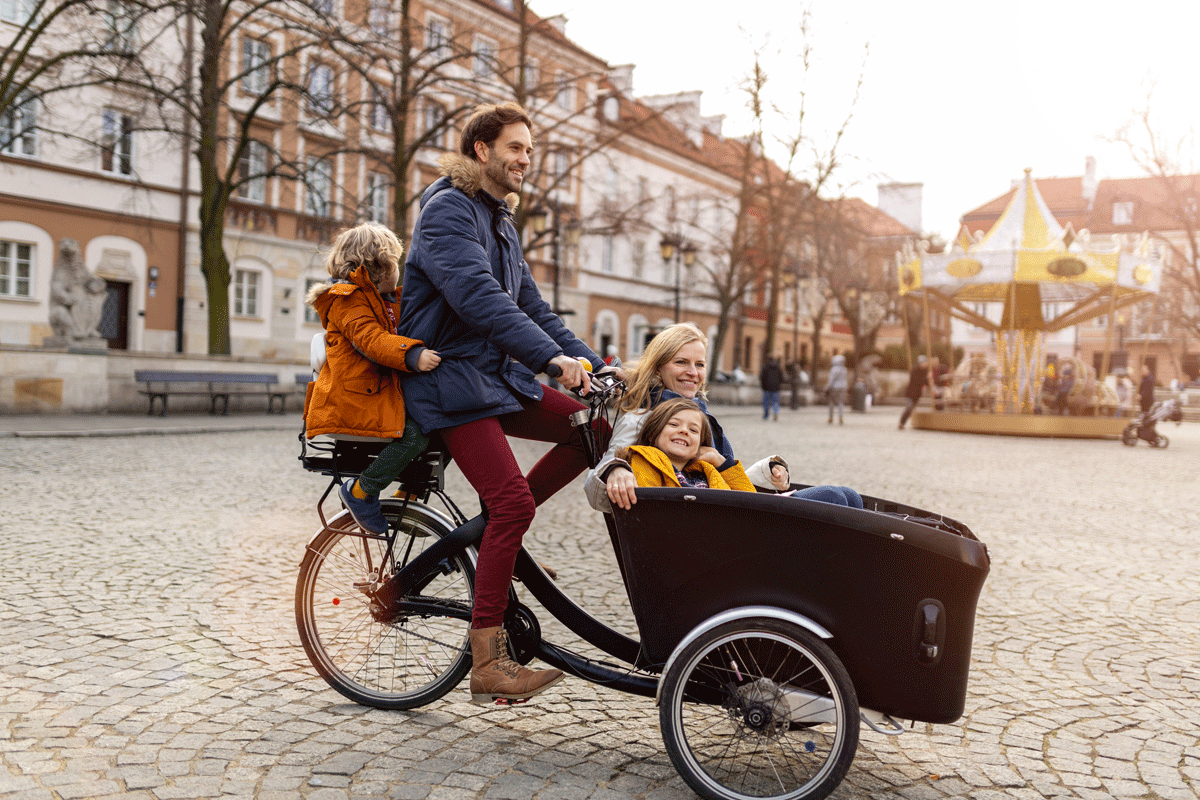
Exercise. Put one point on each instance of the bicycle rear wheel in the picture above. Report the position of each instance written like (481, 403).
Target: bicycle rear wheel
(395, 661)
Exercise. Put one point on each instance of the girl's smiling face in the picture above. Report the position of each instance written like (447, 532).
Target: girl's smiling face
(680, 438)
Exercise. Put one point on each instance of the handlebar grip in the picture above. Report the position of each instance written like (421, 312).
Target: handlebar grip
(553, 370)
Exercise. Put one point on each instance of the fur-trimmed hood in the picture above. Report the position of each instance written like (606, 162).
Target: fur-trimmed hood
(466, 175)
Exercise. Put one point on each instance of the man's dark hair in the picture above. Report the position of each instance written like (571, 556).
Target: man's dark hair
(487, 121)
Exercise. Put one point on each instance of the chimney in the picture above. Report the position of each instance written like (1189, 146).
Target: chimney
(902, 202)
(622, 78)
(1090, 184)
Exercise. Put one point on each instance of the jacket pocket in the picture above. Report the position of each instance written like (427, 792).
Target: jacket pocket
(461, 387)
(364, 384)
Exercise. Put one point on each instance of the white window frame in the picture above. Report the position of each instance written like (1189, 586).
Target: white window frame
(18, 127)
(639, 257)
(318, 195)
(379, 118)
(320, 97)
(256, 72)
(564, 97)
(17, 11)
(1122, 212)
(11, 262)
(252, 168)
(532, 73)
(310, 314)
(120, 19)
(376, 199)
(607, 248)
(437, 36)
(483, 63)
(246, 286)
(379, 17)
(433, 114)
(116, 142)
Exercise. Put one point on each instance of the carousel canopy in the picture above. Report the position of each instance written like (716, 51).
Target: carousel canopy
(1026, 261)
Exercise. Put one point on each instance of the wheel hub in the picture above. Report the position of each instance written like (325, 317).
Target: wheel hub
(759, 707)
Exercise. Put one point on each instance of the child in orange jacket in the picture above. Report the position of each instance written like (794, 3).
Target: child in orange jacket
(358, 390)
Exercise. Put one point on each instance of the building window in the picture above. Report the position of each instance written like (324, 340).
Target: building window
(320, 90)
(121, 27)
(18, 11)
(245, 293)
(376, 200)
(1122, 213)
(18, 127)
(379, 116)
(16, 269)
(116, 143)
(310, 313)
(484, 62)
(561, 167)
(255, 72)
(252, 169)
(433, 119)
(639, 257)
(437, 37)
(606, 254)
(379, 17)
(564, 98)
(320, 187)
(531, 74)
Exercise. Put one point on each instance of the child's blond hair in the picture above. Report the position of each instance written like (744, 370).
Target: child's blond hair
(369, 245)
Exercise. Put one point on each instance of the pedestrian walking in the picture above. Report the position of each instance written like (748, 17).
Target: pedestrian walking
(835, 387)
(917, 379)
(771, 378)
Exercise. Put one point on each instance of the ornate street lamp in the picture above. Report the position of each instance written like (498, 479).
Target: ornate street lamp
(673, 246)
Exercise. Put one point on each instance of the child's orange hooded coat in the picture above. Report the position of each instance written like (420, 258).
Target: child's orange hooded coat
(358, 390)
(652, 468)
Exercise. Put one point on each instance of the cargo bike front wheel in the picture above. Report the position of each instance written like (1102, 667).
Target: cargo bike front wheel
(759, 707)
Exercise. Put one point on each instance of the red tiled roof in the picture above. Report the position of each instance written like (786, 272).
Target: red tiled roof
(1152, 208)
(869, 219)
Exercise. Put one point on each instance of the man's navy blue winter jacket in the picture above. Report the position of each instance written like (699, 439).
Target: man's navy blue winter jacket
(469, 295)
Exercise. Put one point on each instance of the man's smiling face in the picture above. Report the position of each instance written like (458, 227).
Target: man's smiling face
(506, 159)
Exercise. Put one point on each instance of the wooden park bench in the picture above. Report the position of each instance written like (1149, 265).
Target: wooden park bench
(216, 386)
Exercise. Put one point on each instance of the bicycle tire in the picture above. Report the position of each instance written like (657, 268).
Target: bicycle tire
(735, 728)
(400, 663)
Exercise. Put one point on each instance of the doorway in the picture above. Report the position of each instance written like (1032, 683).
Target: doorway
(114, 321)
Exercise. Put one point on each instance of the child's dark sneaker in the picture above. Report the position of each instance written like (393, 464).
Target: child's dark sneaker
(367, 513)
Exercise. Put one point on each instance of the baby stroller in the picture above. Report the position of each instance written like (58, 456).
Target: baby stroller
(1144, 428)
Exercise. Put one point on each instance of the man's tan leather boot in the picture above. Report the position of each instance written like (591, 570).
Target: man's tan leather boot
(495, 676)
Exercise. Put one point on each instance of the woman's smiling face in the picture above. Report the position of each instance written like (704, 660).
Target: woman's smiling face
(684, 372)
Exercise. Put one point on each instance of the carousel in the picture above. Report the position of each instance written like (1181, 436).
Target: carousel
(1045, 278)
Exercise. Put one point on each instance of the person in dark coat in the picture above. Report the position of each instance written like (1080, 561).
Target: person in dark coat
(1146, 389)
(917, 381)
(468, 293)
(771, 378)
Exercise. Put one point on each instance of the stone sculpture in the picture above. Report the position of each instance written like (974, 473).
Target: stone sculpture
(76, 301)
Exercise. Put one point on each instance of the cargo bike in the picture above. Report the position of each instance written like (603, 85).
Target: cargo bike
(769, 627)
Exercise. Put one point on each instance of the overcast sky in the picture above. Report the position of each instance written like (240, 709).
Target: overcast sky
(960, 96)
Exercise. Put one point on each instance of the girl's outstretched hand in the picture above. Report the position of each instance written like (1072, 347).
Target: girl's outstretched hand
(428, 360)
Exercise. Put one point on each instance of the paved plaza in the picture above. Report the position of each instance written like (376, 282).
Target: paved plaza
(149, 647)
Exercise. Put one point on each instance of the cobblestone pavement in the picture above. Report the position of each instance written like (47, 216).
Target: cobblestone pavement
(149, 648)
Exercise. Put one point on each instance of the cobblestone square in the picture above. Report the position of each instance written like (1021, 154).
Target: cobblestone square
(149, 646)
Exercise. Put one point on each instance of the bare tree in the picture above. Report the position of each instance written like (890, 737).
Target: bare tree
(1169, 161)
(54, 47)
(228, 77)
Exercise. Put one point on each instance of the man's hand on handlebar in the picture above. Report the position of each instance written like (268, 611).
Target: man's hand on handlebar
(620, 488)
(571, 375)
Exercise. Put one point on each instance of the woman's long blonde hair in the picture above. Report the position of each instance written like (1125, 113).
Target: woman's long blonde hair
(642, 377)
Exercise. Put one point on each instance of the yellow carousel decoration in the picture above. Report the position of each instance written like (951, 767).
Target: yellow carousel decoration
(1046, 278)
